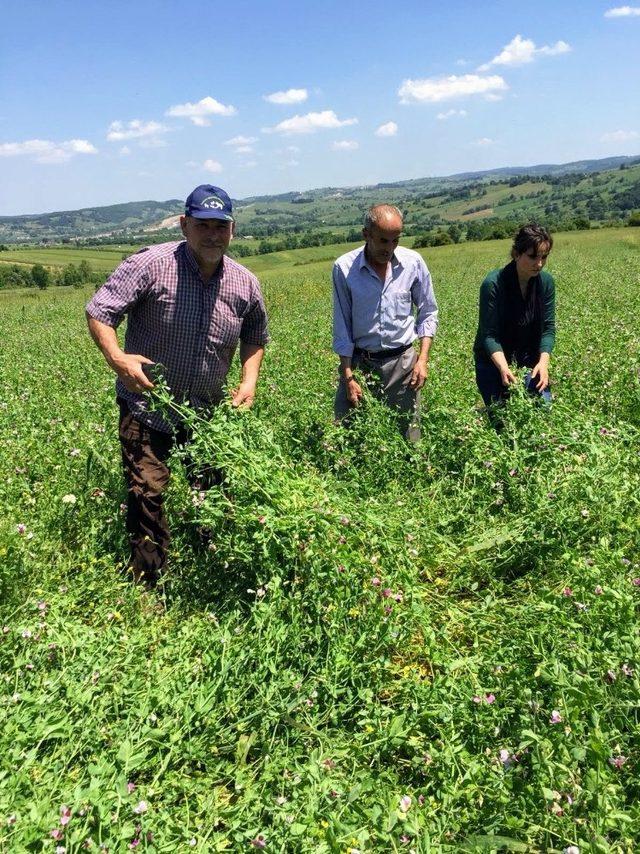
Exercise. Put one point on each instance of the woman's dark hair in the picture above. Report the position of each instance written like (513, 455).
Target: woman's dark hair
(529, 237)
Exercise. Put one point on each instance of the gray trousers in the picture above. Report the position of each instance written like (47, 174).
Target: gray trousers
(388, 380)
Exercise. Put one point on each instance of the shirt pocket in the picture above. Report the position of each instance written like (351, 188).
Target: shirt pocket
(403, 305)
(225, 325)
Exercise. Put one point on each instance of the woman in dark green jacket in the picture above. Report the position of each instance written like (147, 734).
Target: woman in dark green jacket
(517, 319)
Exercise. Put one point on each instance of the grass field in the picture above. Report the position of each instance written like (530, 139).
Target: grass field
(105, 260)
(387, 649)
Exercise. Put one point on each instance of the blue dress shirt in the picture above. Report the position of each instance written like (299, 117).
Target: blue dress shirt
(375, 315)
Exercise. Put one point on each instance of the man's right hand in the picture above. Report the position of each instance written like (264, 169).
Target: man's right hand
(354, 392)
(128, 367)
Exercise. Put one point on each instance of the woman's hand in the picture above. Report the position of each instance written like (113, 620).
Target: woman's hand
(507, 376)
(541, 372)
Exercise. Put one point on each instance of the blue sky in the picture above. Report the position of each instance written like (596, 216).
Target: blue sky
(110, 102)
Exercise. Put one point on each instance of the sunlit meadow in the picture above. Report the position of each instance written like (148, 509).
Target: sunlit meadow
(384, 648)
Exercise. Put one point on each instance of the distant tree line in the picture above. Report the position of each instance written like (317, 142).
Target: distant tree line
(501, 229)
(39, 276)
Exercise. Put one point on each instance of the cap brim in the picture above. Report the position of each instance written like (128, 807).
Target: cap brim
(211, 215)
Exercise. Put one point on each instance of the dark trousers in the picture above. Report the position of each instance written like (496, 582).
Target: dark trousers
(145, 452)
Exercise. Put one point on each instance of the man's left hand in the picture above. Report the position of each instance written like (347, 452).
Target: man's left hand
(419, 374)
(243, 396)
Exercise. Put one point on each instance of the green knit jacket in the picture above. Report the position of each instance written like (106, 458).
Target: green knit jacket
(491, 323)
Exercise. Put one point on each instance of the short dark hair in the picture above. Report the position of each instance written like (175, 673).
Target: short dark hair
(530, 236)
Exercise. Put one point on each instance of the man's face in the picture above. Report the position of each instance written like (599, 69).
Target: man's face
(382, 240)
(208, 239)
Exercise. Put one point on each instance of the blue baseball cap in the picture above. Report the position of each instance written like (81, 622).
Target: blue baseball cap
(208, 202)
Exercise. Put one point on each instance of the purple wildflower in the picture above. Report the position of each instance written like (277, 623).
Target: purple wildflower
(259, 841)
(617, 761)
(505, 758)
(556, 717)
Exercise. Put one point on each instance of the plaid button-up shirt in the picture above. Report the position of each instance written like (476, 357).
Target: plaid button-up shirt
(190, 326)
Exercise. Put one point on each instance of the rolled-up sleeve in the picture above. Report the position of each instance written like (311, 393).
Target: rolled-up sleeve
(489, 317)
(424, 299)
(254, 324)
(123, 289)
(343, 343)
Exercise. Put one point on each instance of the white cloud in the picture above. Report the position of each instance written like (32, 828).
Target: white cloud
(212, 166)
(294, 149)
(310, 123)
(290, 96)
(620, 136)
(345, 145)
(200, 112)
(136, 129)
(521, 51)
(81, 146)
(125, 150)
(250, 164)
(388, 129)
(45, 151)
(242, 140)
(483, 141)
(491, 96)
(435, 89)
(244, 149)
(623, 12)
(450, 114)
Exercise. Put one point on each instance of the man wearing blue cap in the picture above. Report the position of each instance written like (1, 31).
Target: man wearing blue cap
(188, 307)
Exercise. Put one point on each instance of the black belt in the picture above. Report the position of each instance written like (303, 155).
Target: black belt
(381, 354)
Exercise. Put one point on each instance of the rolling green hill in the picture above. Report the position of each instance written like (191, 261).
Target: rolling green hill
(597, 190)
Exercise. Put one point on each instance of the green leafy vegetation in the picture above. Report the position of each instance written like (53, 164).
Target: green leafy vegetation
(384, 648)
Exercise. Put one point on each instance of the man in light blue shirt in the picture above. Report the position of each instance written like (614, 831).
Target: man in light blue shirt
(383, 301)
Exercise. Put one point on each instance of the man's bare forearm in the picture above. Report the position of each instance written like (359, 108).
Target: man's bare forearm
(127, 366)
(106, 340)
(251, 356)
(425, 346)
